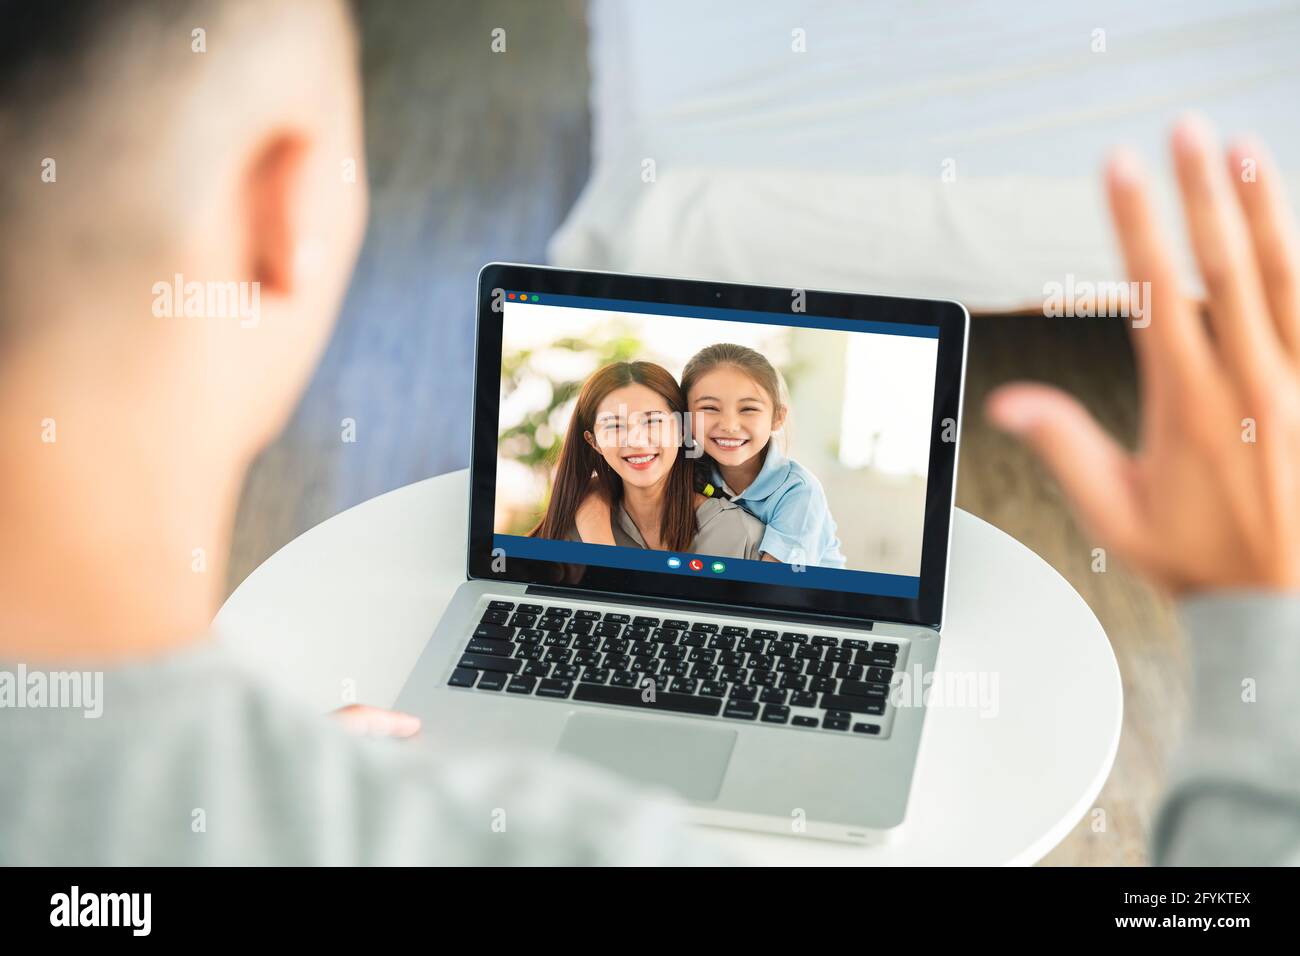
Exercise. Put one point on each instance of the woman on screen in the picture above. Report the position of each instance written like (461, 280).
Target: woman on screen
(625, 436)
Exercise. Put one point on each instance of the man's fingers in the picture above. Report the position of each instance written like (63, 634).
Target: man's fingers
(1222, 246)
(1170, 340)
(1092, 469)
(1273, 234)
(376, 722)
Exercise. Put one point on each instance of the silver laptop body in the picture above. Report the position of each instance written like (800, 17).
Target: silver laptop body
(821, 770)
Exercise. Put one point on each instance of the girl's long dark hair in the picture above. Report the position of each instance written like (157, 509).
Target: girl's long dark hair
(580, 463)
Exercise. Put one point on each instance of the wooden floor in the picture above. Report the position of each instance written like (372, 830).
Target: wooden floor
(477, 156)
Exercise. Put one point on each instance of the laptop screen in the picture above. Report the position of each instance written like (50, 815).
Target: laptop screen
(702, 450)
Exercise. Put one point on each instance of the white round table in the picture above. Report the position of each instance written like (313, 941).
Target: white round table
(342, 612)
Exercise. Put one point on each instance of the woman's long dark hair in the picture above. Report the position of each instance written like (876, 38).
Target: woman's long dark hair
(580, 463)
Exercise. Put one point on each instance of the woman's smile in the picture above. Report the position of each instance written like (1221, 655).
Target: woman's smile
(641, 462)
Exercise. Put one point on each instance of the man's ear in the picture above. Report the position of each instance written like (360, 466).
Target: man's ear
(273, 190)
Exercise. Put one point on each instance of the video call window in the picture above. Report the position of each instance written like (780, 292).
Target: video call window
(752, 447)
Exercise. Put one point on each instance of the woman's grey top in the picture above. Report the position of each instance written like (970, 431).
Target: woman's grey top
(724, 529)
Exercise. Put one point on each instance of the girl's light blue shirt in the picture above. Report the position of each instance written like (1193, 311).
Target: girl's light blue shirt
(789, 500)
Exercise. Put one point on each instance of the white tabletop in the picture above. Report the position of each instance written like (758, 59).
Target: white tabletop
(342, 612)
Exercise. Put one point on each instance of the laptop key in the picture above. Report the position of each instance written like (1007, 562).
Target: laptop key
(713, 688)
(856, 705)
(836, 723)
(492, 680)
(484, 645)
(494, 632)
(799, 720)
(586, 615)
(623, 678)
(643, 621)
(501, 605)
(550, 687)
(740, 710)
(878, 660)
(866, 728)
(763, 634)
(636, 697)
(883, 647)
(776, 714)
(533, 609)
(771, 695)
(486, 662)
(595, 675)
(740, 692)
(463, 677)
(864, 689)
(536, 669)
(566, 672)
(495, 617)
(676, 624)
(521, 685)
(704, 628)
(804, 698)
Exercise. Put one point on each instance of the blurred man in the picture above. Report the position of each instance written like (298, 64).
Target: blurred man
(1209, 507)
(183, 196)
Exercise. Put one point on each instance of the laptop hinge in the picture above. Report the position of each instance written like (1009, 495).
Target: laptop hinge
(711, 607)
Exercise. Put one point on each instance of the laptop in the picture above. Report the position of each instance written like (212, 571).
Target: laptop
(708, 541)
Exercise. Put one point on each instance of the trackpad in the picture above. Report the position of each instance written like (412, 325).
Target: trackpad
(689, 759)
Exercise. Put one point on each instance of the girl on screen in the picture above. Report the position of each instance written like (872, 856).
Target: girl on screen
(623, 446)
(737, 405)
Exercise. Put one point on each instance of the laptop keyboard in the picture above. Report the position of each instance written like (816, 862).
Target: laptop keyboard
(734, 672)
